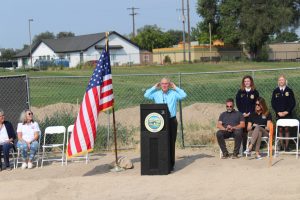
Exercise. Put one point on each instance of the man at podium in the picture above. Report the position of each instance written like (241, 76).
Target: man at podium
(167, 92)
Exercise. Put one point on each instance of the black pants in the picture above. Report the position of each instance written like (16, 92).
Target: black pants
(236, 134)
(4, 148)
(173, 136)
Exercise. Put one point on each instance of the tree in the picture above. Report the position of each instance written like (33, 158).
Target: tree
(8, 54)
(64, 34)
(151, 36)
(208, 10)
(248, 21)
(43, 35)
(286, 36)
(176, 36)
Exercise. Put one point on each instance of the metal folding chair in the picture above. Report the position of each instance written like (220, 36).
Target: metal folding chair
(18, 160)
(287, 123)
(54, 139)
(77, 158)
(232, 139)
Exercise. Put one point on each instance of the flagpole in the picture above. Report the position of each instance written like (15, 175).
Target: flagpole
(117, 168)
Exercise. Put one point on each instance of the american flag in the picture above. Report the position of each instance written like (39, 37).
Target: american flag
(98, 97)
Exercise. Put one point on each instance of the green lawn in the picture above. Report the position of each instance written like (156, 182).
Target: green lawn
(178, 68)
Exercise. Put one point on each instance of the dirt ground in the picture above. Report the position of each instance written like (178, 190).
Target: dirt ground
(199, 174)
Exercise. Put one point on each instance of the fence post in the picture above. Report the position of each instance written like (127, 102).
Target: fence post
(253, 74)
(180, 116)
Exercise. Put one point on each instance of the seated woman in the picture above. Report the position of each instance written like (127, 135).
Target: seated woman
(259, 121)
(7, 137)
(28, 135)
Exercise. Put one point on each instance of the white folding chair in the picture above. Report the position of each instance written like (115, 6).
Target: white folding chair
(57, 133)
(86, 156)
(18, 159)
(232, 139)
(287, 123)
(263, 139)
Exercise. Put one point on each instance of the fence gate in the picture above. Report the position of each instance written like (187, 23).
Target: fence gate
(14, 97)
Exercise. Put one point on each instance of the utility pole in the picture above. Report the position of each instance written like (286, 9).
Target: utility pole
(189, 29)
(30, 53)
(133, 13)
(183, 30)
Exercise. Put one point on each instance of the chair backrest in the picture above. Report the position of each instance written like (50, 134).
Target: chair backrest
(287, 122)
(55, 130)
(70, 129)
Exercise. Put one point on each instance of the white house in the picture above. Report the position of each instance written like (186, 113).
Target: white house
(80, 49)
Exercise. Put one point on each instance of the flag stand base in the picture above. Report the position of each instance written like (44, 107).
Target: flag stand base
(117, 168)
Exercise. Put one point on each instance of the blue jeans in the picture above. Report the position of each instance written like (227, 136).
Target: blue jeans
(24, 149)
(5, 148)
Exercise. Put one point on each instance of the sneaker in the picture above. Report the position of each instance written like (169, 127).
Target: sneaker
(29, 165)
(24, 165)
(258, 157)
(8, 168)
(247, 151)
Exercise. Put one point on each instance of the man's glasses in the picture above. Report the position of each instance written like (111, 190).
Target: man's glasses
(30, 113)
(229, 106)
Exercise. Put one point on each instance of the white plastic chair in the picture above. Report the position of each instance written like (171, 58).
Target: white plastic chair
(19, 160)
(232, 139)
(54, 131)
(287, 123)
(86, 156)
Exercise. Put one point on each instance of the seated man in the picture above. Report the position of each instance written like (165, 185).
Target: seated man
(230, 124)
(7, 137)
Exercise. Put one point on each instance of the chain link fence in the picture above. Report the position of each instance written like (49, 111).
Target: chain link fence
(56, 101)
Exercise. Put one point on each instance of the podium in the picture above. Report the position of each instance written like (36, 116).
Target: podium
(155, 142)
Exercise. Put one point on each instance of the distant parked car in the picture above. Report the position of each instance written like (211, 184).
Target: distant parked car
(61, 62)
(43, 63)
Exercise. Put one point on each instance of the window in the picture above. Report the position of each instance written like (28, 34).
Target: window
(81, 57)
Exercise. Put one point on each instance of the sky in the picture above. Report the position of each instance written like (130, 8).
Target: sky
(85, 17)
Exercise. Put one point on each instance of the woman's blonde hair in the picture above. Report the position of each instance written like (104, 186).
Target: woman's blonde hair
(23, 119)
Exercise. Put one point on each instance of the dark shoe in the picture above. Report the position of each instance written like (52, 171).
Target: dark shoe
(235, 156)
(287, 149)
(8, 168)
(225, 156)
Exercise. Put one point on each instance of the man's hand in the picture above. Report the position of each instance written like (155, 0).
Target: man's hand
(229, 128)
(172, 85)
(157, 85)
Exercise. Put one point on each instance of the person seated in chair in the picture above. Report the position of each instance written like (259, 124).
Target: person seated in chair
(258, 126)
(7, 137)
(230, 124)
(28, 135)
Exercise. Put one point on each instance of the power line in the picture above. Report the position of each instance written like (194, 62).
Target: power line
(133, 13)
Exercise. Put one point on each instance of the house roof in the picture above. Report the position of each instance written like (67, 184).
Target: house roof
(71, 44)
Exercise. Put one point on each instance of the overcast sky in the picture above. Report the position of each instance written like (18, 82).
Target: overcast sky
(85, 17)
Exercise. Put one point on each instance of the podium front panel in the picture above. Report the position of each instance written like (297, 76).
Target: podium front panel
(155, 143)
